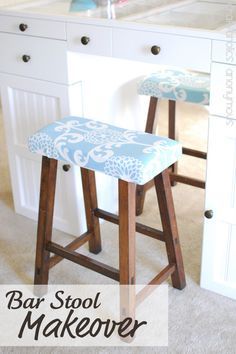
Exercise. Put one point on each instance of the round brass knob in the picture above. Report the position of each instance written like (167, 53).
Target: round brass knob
(26, 58)
(23, 27)
(85, 40)
(209, 214)
(155, 49)
(66, 167)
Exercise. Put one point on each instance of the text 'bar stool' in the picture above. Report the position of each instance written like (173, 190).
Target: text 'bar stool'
(132, 157)
(173, 85)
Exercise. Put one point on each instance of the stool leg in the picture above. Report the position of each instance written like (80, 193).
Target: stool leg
(127, 232)
(127, 247)
(166, 205)
(141, 190)
(45, 219)
(172, 132)
(90, 203)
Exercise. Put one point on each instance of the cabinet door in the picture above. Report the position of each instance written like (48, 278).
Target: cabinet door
(219, 244)
(28, 105)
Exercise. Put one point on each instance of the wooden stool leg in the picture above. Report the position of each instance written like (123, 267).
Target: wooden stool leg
(127, 247)
(141, 190)
(90, 203)
(172, 132)
(45, 219)
(165, 200)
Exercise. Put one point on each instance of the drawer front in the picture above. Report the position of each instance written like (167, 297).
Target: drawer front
(48, 60)
(224, 52)
(33, 27)
(96, 40)
(223, 88)
(192, 53)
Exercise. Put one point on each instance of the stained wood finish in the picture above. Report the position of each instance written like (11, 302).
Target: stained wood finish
(45, 219)
(172, 131)
(141, 190)
(127, 232)
(175, 177)
(127, 193)
(72, 246)
(188, 180)
(127, 226)
(142, 229)
(90, 203)
(151, 115)
(168, 218)
(84, 261)
(160, 278)
(195, 153)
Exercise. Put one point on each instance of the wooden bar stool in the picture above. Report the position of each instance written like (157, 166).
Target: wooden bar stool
(173, 85)
(132, 157)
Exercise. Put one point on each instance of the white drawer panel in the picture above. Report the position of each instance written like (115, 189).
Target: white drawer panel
(189, 52)
(223, 88)
(99, 39)
(224, 52)
(39, 28)
(48, 58)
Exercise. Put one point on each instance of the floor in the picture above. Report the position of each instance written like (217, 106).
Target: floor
(199, 321)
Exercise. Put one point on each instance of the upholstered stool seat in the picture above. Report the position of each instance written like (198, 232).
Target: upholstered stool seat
(125, 154)
(132, 157)
(175, 86)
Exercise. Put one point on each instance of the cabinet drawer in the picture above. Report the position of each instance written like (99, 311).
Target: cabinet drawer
(224, 52)
(38, 28)
(99, 39)
(192, 53)
(223, 88)
(48, 58)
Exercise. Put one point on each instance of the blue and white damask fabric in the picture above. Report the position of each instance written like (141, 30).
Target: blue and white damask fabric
(177, 85)
(126, 154)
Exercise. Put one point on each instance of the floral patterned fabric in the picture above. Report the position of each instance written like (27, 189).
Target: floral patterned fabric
(177, 85)
(126, 154)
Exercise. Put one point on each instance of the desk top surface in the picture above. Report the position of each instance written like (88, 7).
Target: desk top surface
(211, 18)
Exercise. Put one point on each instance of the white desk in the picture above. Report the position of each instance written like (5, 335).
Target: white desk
(62, 76)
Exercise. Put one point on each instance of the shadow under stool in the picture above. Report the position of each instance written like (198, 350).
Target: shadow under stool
(133, 158)
(173, 85)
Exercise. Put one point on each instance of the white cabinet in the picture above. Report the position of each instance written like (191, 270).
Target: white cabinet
(35, 92)
(40, 58)
(219, 242)
(50, 86)
(175, 50)
(33, 27)
(219, 245)
(28, 105)
(87, 39)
